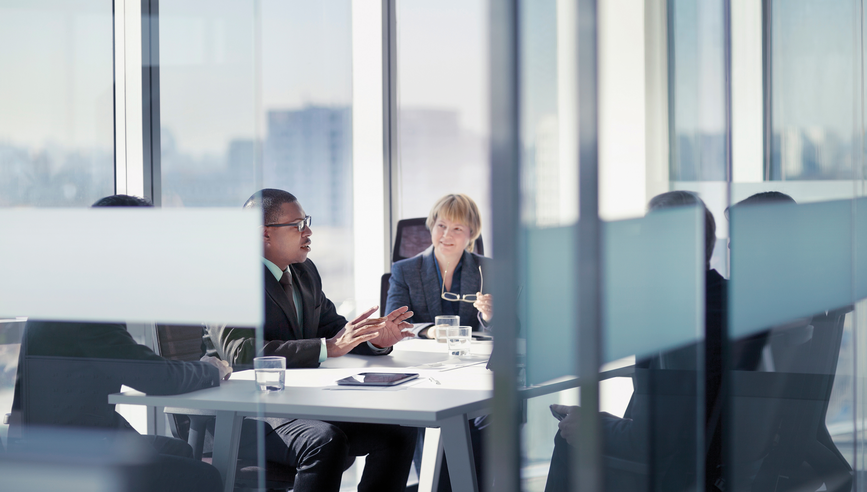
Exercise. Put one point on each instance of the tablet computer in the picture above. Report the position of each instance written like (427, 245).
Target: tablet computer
(377, 379)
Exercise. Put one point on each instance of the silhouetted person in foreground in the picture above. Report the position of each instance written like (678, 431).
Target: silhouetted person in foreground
(67, 370)
(658, 427)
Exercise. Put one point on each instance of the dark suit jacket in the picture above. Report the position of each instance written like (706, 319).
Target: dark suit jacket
(664, 400)
(414, 283)
(67, 370)
(282, 334)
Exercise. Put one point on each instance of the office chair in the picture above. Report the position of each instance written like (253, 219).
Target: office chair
(411, 238)
(11, 333)
(780, 389)
(778, 437)
(801, 454)
(185, 342)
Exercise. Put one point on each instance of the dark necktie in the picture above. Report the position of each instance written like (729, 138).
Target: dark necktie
(286, 282)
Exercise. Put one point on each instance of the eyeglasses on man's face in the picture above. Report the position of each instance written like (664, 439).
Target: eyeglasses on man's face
(451, 296)
(301, 225)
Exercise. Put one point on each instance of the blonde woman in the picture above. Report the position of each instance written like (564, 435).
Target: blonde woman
(446, 278)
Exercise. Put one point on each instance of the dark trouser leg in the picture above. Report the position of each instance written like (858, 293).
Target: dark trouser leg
(389, 451)
(318, 450)
(176, 474)
(558, 474)
(176, 471)
(169, 446)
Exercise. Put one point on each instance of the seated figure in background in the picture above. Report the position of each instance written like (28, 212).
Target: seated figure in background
(627, 438)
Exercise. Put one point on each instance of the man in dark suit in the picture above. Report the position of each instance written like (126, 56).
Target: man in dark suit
(302, 325)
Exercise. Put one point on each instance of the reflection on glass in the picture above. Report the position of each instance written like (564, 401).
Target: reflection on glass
(782, 369)
(232, 125)
(813, 94)
(782, 382)
(657, 443)
(442, 104)
(698, 138)
(56, 102)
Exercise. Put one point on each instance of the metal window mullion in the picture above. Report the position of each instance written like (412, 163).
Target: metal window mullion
(587, 472)
(150, 73)
(391, 168)
(767, 79)
(504, 441)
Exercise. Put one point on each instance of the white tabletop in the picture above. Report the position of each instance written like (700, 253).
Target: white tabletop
(465, 387)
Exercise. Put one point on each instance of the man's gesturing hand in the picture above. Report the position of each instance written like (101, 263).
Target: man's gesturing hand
(357, 331)
(392, 330)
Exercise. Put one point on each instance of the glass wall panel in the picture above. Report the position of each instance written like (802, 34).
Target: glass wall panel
(697, 78)
(546, 253)
(442, 61)
(795, 295)
(259, 95)
(56, 124)
(814, 46)
(208, 89)
(57, 103)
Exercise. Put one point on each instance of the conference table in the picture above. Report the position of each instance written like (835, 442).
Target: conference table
(448, 392)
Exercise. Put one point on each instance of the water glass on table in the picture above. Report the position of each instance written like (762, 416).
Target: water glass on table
(270, 373)
(443, 322)
(458, 338)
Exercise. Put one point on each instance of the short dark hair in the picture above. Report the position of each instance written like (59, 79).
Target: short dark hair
(767, 197)
(122, 201)
(270, 200)
(763, 197)
(687, 198)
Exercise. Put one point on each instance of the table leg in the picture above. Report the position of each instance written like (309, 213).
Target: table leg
(156, 421)
(431, 461)
(160, 417)
(459, 451)
(227, 436)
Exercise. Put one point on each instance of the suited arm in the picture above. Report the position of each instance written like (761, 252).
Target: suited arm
(135, 365)
(238, 347)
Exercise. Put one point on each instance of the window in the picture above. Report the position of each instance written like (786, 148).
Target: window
(56, 103)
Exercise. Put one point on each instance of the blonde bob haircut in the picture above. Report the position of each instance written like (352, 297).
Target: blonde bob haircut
(458, 208)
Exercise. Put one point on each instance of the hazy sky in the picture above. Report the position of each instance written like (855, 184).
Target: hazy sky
(57, 76)
(56, 73)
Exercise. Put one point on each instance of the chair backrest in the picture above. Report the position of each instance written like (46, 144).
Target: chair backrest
(11, 333)
(779, 415)
(383, 293)
(412, 237)
(180, 342)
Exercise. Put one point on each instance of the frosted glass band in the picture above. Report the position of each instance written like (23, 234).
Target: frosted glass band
(122, 264)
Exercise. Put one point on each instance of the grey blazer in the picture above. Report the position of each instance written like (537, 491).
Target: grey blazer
(414, 283)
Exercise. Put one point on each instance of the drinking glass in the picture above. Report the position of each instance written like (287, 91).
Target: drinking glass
(270, 373)
(458, 338)
(443, 322)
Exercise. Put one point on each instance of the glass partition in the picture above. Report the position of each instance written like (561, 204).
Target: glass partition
(442, 146)
(259, 95)
(57, 128)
